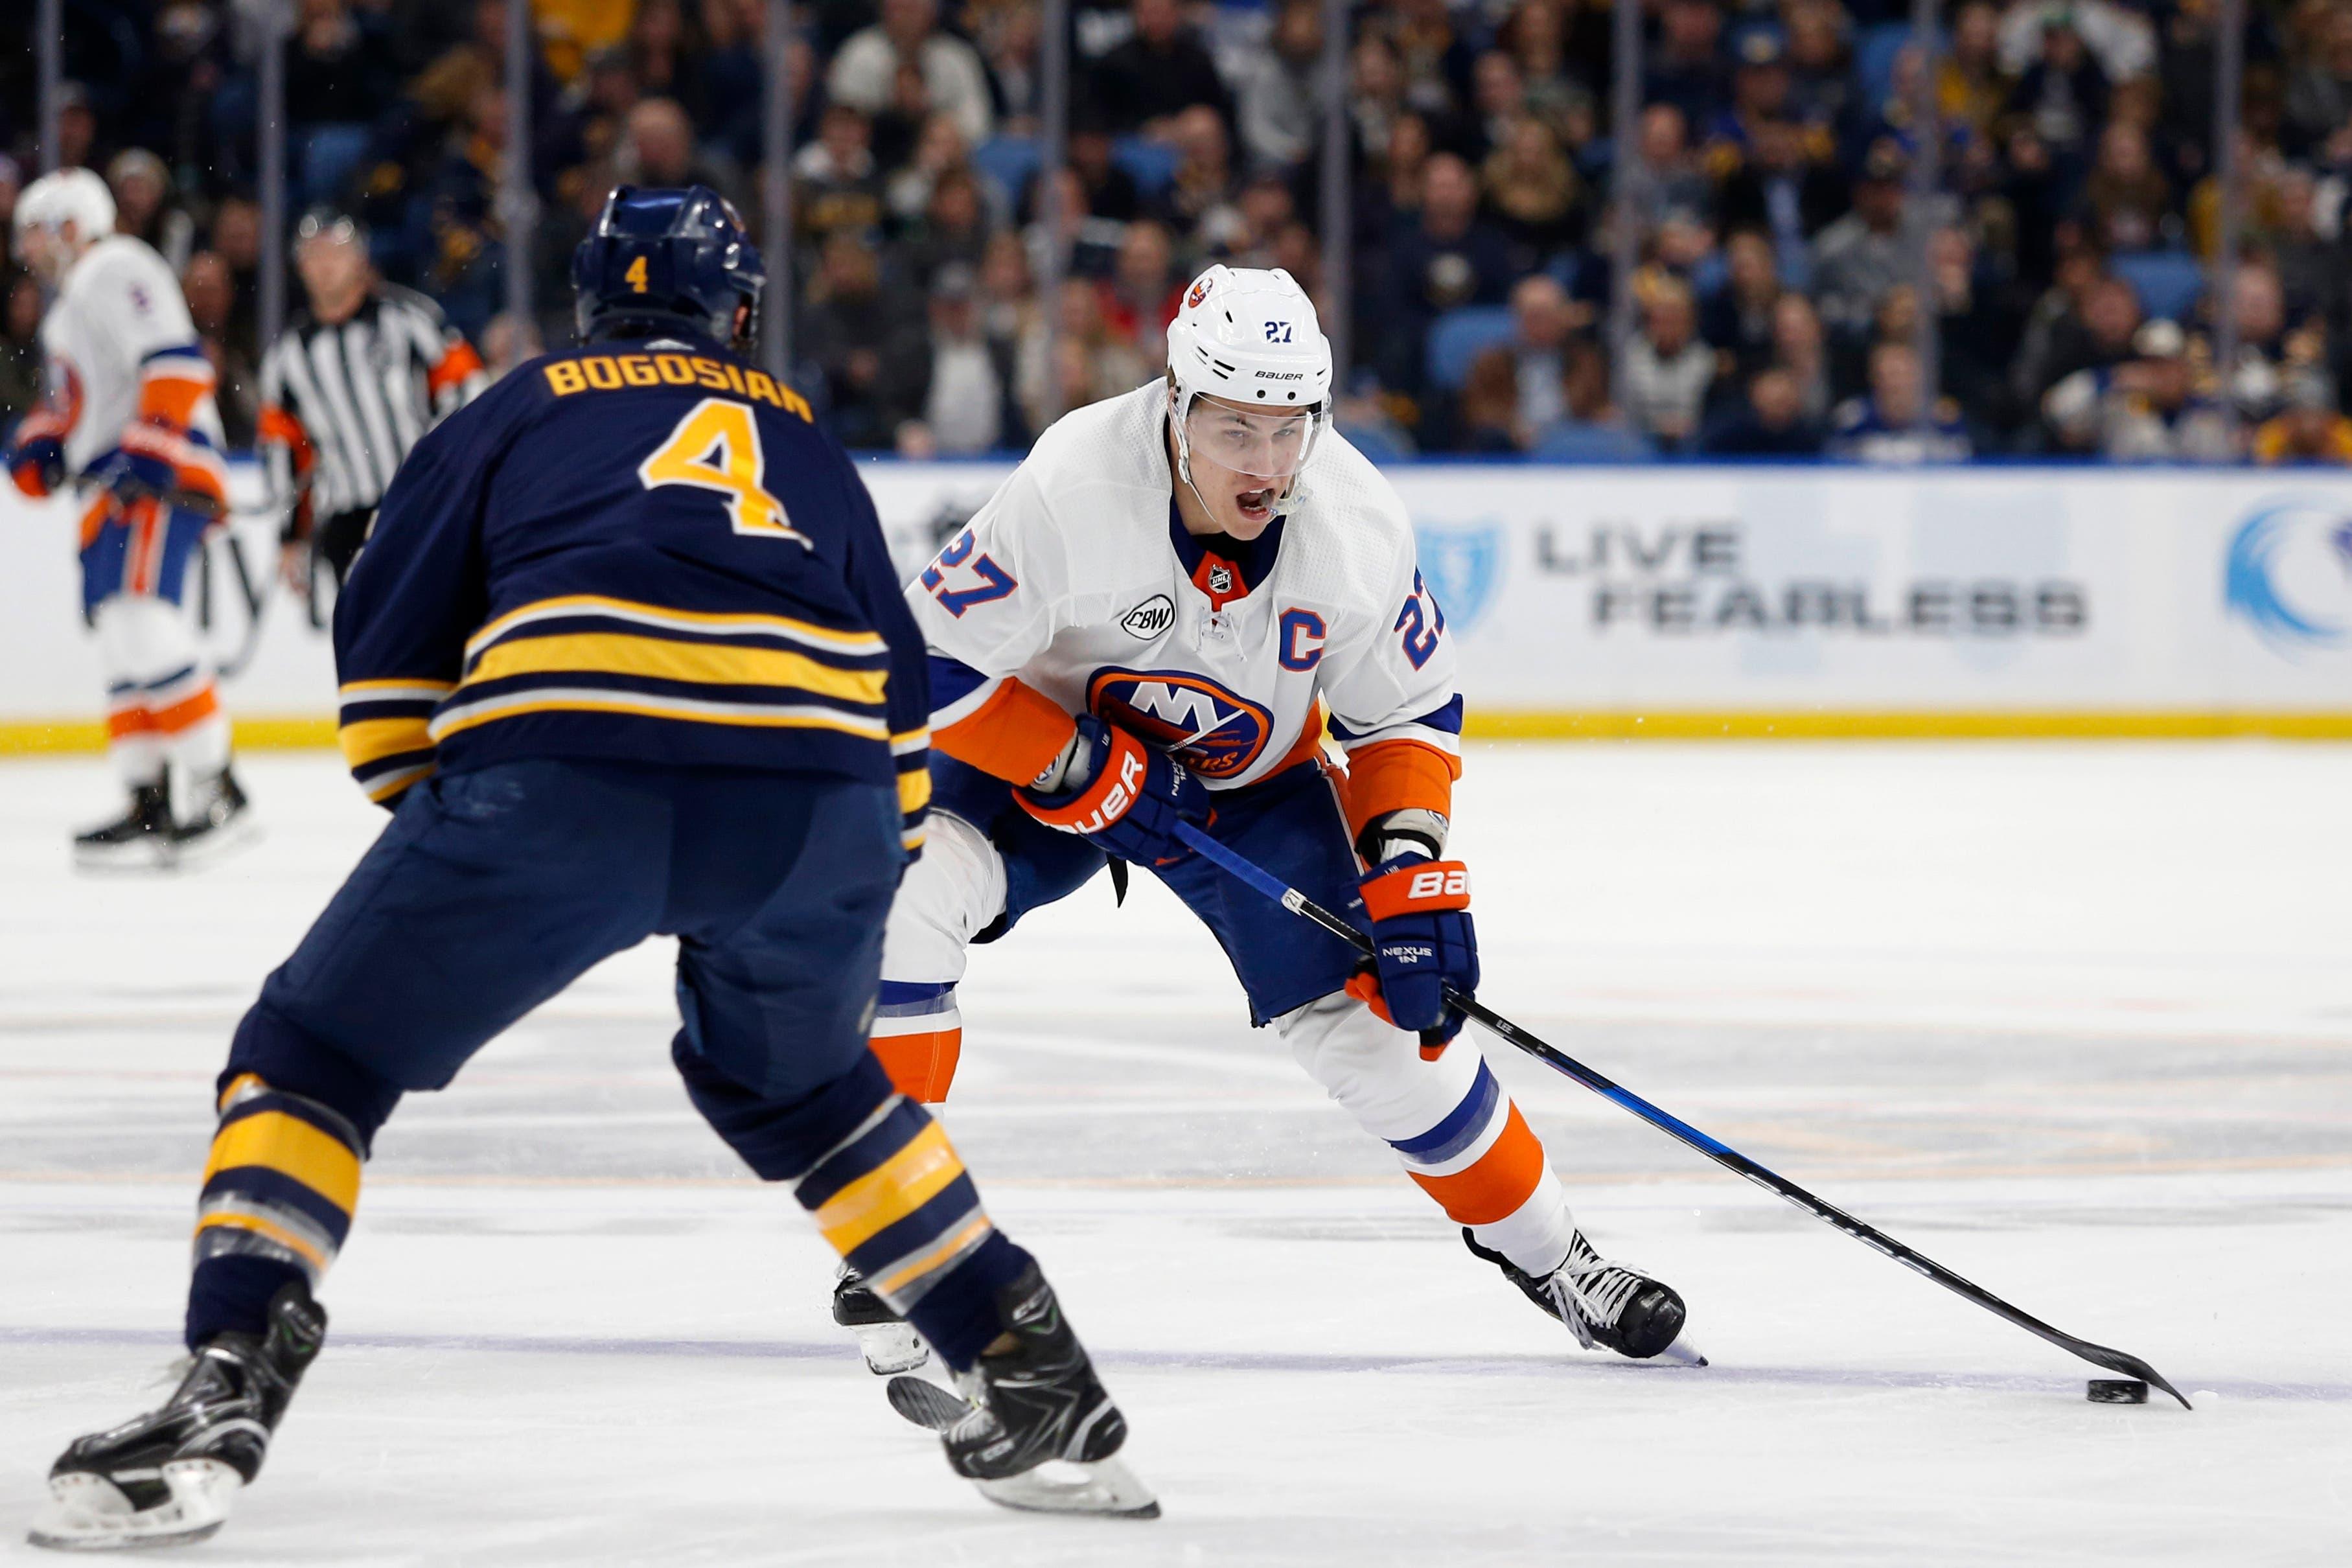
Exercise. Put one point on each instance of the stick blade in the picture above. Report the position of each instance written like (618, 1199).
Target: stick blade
(2128, 1364)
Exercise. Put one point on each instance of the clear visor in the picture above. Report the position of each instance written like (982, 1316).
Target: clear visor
(1264, 444)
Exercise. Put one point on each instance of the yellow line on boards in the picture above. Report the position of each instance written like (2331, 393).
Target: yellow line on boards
(287, 732)
(26, 737)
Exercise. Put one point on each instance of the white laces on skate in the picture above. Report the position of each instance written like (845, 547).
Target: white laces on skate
(1587, 1289)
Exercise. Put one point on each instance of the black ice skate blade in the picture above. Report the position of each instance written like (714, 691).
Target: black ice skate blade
(1105, 1489)
(2118, 1391)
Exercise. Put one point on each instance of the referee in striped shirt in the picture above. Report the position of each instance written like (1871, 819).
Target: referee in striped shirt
(349, 387)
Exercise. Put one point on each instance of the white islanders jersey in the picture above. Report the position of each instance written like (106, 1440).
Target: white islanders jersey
(119, 327)
(1076, 581)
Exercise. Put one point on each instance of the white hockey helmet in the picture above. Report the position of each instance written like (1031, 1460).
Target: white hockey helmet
(67, 195)
(1249, 337)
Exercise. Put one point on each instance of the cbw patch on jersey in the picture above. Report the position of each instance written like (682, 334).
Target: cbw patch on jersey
(1207, 728)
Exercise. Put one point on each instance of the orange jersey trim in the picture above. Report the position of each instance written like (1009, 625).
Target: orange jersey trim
(174, 399)
(459, 362)
(1497, 1183)
(1399, 775)
(1014, 735)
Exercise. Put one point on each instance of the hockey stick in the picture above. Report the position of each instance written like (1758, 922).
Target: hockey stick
(1723, 1155)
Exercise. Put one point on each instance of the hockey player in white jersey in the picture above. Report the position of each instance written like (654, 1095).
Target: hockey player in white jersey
(1161, 615)
(128, 421)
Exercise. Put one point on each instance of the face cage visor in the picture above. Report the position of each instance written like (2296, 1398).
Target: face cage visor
(1258, 443)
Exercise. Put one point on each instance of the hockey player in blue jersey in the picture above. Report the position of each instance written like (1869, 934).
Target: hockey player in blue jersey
(624, 655)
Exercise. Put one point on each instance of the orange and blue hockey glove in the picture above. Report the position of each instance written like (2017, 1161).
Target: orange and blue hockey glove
(140, 467)
(36, 453)
(1422, 941)
(1120, 796)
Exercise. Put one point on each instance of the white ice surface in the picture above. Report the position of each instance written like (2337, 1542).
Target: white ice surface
(2075, 1021)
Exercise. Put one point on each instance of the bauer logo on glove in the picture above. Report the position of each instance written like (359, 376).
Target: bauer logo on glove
(1117, 794)
(1422, 942)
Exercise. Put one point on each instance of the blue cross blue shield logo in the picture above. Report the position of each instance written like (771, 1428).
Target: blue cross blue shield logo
(1462, 565)
(2290, 573)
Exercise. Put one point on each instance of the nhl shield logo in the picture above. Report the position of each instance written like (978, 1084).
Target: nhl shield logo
(1462, 565)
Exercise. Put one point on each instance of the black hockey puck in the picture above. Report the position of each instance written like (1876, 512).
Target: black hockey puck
(2119, 1391)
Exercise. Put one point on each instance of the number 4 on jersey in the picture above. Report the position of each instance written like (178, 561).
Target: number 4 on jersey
(716, 448)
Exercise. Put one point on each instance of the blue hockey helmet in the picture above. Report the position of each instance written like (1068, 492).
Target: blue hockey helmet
(668, 258)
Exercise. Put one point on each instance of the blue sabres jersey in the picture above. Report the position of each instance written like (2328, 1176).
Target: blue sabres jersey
(642, 550)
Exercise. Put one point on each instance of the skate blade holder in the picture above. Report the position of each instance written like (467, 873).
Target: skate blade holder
(1104, 1488)
(90, 1513)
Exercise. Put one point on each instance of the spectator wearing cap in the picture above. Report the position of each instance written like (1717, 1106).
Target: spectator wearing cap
(1668, 369)
(967, 402)
(1884, 425)
(1277, 97)
(1863, 255)
(1760, 85)
(1160, 71)
(2145, 409)
(143, 207)
(2308, 429)
(1769, 421)
(865, 74)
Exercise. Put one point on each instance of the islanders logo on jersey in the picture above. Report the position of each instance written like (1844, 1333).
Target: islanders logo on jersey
(1208, 729)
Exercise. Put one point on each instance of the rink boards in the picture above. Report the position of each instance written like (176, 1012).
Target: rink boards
(1682, 602)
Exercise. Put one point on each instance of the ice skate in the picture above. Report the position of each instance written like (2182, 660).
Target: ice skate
(139, 840)
(168, 1478)
(215, 821)
(1604, 1303)
(890, 1343)
(1035, 1428)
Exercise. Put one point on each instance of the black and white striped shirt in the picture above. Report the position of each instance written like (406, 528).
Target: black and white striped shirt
(342, 405)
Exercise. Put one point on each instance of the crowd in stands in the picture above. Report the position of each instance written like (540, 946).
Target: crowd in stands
(2070, 226)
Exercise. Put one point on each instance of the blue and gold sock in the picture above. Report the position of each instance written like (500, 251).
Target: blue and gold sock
(278, 1193)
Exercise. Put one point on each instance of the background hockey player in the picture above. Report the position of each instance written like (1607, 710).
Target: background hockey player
(128, 421)
(626, 656)
(1153, 619)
